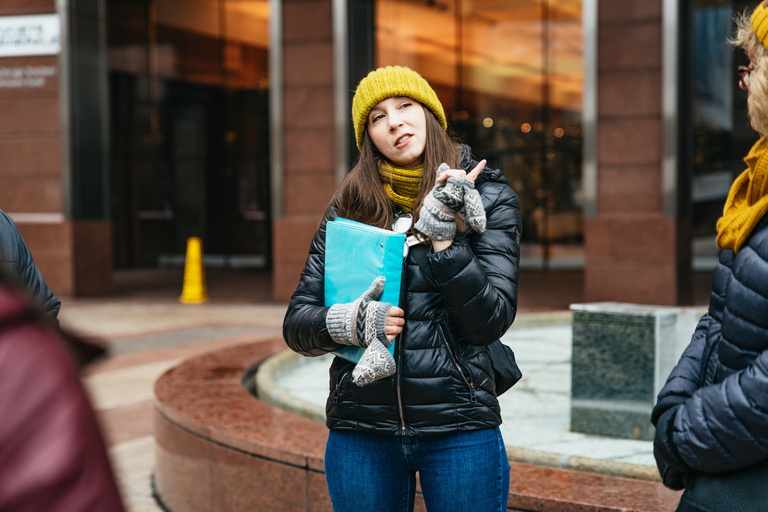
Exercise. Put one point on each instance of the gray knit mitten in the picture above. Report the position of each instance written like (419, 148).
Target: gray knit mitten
(376, 363)
(362, 321)
(437, 218)
(473, 206)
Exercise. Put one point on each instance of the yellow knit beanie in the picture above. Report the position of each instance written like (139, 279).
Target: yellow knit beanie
(760, 22)
(391, 81)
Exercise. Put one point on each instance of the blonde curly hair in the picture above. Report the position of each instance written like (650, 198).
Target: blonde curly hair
(746, 39)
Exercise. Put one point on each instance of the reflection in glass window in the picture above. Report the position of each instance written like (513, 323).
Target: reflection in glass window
(509, 74)
(722, 135)
(189, 136)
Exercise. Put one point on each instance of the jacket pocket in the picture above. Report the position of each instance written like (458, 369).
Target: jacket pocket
(337, 389)
(462, 369)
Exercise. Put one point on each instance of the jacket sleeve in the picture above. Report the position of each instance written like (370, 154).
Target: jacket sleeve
(304, 327)
(686, 377)
(478, 275)
(48, 303)
(681, 384)
(724, 426)
(21, 261)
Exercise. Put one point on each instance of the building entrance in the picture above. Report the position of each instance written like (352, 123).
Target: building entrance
(189, 132)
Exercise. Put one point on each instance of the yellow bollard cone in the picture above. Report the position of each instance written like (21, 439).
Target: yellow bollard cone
(194, 276)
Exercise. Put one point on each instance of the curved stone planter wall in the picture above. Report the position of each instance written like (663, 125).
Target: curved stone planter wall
(218, 448)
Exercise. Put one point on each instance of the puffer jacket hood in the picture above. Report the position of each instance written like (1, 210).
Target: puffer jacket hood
(444, 380)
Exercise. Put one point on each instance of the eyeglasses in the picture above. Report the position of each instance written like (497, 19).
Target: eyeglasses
(402, 223)
(744, 72)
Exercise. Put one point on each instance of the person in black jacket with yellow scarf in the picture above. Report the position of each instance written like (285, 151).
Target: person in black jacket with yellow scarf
(432, 408)
(712, 415)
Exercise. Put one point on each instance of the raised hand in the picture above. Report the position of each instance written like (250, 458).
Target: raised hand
(454, 189)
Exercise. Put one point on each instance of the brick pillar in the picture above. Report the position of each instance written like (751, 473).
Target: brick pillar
(634, 252)
(30, 154)
(308, 130)
(43, 161)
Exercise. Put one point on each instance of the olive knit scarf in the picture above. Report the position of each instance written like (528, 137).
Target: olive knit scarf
(747, 200)
(401, 185)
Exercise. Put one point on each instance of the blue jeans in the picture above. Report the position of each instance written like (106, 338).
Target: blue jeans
(459, 472)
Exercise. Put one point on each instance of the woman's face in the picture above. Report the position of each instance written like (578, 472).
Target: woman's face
(398, 128)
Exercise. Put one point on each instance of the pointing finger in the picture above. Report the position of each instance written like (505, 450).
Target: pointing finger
(477, 170)
(452, 173)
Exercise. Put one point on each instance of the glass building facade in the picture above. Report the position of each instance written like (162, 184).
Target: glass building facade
(509, 74)
(189, 87)
(189, 94)
(229, 120)
(722, 135)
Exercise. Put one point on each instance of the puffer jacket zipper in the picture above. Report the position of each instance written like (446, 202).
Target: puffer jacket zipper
(399, 341)
(399, 384)
(469, 383)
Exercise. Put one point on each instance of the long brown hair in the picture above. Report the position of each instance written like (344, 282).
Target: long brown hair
(361, 196)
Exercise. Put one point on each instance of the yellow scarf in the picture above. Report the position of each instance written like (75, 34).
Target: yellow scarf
(747, 200)
(401, 185)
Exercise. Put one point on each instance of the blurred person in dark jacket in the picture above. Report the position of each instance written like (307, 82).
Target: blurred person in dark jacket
(712, 415)
(52, 454)
(15, 255)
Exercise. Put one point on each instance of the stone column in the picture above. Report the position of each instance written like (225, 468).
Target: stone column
(86, 171)
(635, 251)
(308, 137)
(52, 160)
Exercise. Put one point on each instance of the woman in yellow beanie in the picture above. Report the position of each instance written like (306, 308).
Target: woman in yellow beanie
(712, 415)
(431, 407)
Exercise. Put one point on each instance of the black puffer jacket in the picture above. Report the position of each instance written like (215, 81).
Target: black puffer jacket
(712, 414)
(15, 255)
(444, 379)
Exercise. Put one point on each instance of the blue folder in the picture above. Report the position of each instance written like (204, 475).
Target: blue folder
(355, 255)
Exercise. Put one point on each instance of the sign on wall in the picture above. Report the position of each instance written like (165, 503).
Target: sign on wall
(30, 35)
(26, 77)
